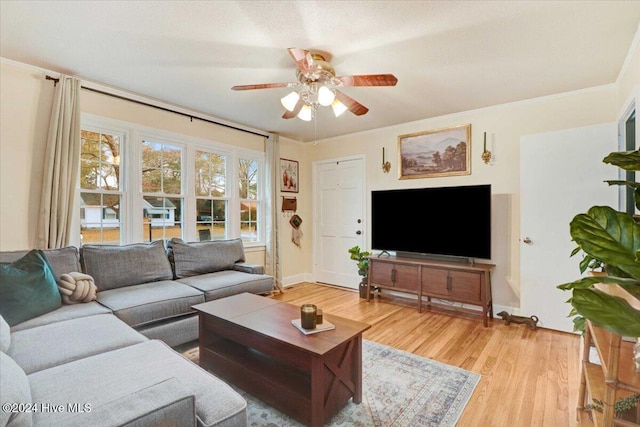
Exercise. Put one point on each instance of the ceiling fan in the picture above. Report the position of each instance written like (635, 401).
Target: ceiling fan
(318, 85)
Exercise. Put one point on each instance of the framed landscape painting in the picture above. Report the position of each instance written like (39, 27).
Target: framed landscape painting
(288, 176)
(440, 152)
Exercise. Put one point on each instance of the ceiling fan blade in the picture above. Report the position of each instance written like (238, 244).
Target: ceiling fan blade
(263, 86)
(303, 59)
(369, 80)
(352, 105)
(291, 114)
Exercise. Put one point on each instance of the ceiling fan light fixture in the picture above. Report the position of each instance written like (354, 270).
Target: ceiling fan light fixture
(338, 107)
(325, 96)
(289, 101)
(305, 113)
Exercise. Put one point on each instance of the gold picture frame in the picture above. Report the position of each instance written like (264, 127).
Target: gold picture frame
(435, 153)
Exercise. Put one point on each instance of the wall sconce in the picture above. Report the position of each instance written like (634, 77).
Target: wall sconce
(486, 155)
(386, 166)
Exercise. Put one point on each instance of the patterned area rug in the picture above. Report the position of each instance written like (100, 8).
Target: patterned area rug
(400, 389)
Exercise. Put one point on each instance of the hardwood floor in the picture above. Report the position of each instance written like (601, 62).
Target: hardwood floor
(529, 378)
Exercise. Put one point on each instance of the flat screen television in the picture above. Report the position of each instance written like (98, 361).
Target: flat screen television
(446, 221)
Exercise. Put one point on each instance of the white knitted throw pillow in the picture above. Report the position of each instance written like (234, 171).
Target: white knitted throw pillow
(77, 287)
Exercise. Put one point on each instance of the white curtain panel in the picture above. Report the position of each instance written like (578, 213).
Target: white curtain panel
(273, 250)
(62, 161)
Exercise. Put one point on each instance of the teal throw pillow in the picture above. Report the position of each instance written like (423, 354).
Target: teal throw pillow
(28, 288)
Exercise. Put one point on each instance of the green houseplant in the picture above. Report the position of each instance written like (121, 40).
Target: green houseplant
(612, 237)
(363, 268)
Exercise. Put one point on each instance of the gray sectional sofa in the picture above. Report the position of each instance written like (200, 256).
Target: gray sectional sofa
(109, 362)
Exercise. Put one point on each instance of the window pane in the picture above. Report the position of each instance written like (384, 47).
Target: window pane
(253, 189)
(151, 155)
(161, 168)
(211, 215)
(89, 175)
(110, 147)
(151, 180)
(110, 179)
(172, 181)
(100, 218)
(162, 218)
(210, 173)
(248, 221)
(99, 161)
(89, 147)
(249, 232)
(247, 175)
(204, 210)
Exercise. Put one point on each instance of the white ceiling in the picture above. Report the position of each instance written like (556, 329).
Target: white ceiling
(448, 56)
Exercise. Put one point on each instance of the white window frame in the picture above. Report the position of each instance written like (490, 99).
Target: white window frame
(131, 166)
(246, 155)
(228, 155)
(160, 138)
(92, 125)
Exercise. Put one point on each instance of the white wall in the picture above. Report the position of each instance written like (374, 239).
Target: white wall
(25, 107)
(504, 125)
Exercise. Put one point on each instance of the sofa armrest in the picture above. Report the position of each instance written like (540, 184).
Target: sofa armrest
(248, 268)
(164, 403)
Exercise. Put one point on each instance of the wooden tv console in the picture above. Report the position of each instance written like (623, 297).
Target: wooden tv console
(451, 281)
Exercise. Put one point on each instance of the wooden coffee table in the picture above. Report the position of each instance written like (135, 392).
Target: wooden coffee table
(249, 341)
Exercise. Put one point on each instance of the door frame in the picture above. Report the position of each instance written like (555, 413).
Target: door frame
(538, 283)
(630, 108)
(315, 203)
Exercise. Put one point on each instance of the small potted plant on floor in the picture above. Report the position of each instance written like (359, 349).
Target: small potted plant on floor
(363, 268)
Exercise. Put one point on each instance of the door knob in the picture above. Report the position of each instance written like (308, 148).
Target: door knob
(527, 241)
(358, 232)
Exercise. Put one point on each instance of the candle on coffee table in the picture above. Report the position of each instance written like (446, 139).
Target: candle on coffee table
(308, 316)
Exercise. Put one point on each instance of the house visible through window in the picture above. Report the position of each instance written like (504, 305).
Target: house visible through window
(139, 184)
(161, 169)
(100, 187)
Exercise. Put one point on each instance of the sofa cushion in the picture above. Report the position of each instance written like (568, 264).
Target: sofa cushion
(150, 302)
(65, 312)
(62, 260)
(14, 388)
(191, 259)
(27, 288)
(174, 332)
(166, 403)
(5, 335)
(70, 340)
(229, 282)
(76, 287)
(128, 370)
(114, 266)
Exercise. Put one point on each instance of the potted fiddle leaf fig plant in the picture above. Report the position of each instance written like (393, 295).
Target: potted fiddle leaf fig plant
(363, 268)
(613, 238)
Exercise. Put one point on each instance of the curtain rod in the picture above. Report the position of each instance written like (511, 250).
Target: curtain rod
(146, 104)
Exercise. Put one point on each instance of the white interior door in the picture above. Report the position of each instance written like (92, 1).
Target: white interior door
(561, 175)
(339, 220)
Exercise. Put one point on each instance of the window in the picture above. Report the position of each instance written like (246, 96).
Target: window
(100, 187)
(161, 168)
(140, 184)
(248, 174)
(210, 189)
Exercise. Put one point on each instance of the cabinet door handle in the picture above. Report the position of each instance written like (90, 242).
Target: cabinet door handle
(393, 275)
(449, 283)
